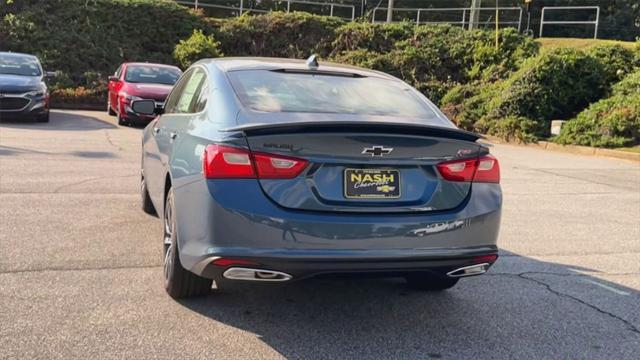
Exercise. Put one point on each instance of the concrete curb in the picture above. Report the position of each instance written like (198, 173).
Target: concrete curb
(571, 149)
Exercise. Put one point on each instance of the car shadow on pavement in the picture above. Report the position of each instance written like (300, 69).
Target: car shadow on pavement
(523, 307)
(61, 121)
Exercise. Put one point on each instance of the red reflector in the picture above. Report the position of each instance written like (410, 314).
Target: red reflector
(485, 259)
(230, 262)
(223, 162)
(485, 170)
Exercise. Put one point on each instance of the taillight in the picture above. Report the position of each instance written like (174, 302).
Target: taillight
(220, 162)
(223, 162)
(488, 170)
(278, 167)
(485, 169)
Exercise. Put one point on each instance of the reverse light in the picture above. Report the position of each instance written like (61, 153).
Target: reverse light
(223, 162)
(484, 170)
(278, 167)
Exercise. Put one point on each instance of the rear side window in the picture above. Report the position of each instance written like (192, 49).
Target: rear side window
(190, 93)
(277, 91)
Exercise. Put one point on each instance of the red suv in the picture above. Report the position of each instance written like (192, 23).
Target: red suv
(134, 81)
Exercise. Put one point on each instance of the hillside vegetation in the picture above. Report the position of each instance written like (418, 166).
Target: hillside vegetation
(513, 91)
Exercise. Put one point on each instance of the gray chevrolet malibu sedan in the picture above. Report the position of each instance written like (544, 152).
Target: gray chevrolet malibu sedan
(275, 170)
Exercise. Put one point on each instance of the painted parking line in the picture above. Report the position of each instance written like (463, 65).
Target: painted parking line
(607, 287)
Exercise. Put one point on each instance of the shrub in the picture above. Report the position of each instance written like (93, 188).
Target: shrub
(629, 86)
(513, 128)
(76, 36)
(434, 58)
(372, 37)
(278, 34)
(196, 47)
(80, 96)
(461, 101)
(556, 85)
(612, 122)
(616, 60)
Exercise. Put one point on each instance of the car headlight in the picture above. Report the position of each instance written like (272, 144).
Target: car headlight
(36, 93)
(129, 97)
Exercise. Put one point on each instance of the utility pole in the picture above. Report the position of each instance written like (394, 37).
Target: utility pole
(390, 11)
(497, 25)
(474, 18)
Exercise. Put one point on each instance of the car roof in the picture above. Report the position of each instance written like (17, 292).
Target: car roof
(228, 64)
(18, 54)
(149, 64)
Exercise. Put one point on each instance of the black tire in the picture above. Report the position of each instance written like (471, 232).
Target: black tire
(147, 205)
(122, 121)
(43, 118)
(178, 281)
(110, 110)
(430, 282)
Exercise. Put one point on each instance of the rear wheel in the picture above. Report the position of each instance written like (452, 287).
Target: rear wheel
(178, 281)
(147, 205)
(430, 282)
(122, 121)
(109, 109)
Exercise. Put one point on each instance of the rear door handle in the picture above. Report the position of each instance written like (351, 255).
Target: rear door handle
(156, 130)
(173, 135)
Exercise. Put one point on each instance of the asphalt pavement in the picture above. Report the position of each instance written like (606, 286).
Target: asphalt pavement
(81, 275)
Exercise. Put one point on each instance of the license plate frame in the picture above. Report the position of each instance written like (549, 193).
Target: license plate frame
(381, 184)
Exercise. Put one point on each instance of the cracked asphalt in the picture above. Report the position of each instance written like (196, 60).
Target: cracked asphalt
(81, 277)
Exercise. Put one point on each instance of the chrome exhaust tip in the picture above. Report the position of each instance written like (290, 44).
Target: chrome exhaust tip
(469, 270)
(238, 273)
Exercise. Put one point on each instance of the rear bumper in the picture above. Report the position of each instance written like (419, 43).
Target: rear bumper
(301, 266)
(233, 219)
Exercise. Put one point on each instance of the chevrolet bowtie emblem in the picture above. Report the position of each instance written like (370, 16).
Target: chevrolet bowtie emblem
(377, 150)
(385, 188)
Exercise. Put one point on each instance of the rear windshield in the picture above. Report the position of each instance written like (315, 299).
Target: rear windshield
(277, 91)
(15, 64)
(152, 74)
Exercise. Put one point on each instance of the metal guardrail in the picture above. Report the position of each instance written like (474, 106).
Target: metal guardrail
(596, 22)
(241, 9)
(331, 5)
(463, 21)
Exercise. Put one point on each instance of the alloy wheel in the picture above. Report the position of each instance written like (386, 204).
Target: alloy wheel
(168, 238)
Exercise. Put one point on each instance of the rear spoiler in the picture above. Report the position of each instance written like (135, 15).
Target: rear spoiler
(373, 126)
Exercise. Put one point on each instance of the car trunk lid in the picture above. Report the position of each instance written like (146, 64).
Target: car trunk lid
(364, 166)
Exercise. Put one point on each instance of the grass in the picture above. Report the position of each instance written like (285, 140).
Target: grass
(552, 43)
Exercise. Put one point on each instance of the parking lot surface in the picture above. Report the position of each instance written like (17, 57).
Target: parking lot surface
(81, 275)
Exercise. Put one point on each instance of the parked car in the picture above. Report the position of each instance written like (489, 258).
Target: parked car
(23, 91)
(278, 170)
(134, 81)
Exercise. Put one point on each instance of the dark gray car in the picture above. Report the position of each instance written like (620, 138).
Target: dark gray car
(278, 170)
(23, 92)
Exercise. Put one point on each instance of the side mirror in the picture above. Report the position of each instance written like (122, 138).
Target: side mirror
(145, 107)
(113, 78)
